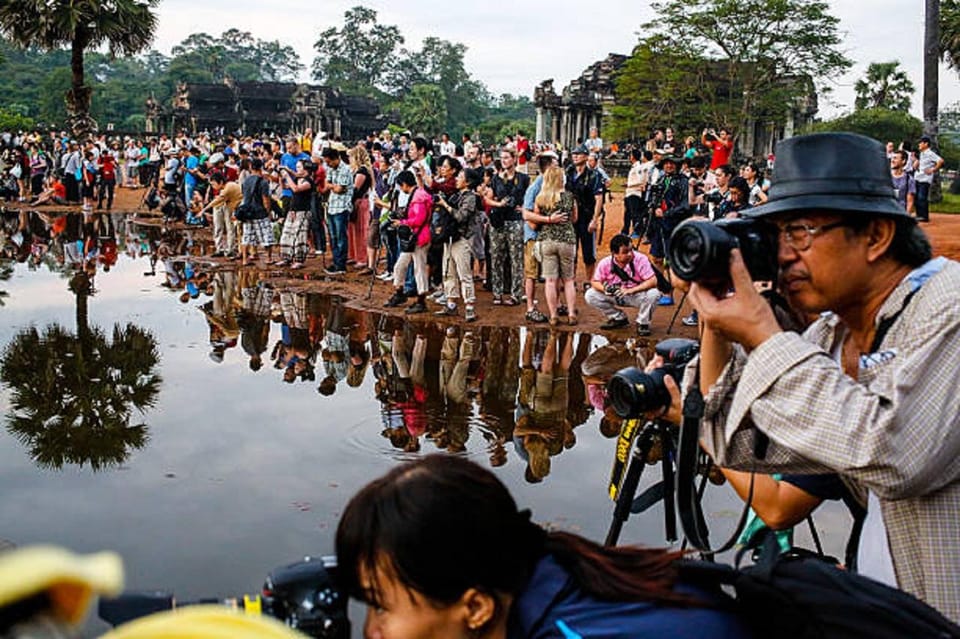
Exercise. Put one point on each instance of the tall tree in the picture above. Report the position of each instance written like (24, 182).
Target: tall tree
(770, 49)
(931, 69)
(950, 32)
(359, 56)
(885, 86)
(125, 26)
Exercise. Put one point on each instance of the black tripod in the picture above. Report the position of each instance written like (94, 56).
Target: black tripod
(653, 432)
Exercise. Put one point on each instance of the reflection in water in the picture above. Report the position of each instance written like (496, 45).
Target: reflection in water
(72, 395)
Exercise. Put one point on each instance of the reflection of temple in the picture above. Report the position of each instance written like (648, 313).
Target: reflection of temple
(278, 107)
(583, 103)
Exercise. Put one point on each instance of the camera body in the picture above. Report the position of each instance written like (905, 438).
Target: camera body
(699, 250)
(633, 392)
(713, 197)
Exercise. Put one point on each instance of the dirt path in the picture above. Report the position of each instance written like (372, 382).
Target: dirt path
(944, 232)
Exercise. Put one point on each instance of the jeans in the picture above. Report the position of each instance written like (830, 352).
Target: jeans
(922, 200)
(338, 239)
(316, 225)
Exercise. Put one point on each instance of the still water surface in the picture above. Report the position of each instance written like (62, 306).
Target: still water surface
(236, 470)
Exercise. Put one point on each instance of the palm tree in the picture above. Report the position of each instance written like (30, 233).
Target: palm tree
(73, 395)
(885, 86)
(125, 26)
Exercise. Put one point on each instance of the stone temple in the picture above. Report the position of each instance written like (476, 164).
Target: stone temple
(274, 107)
(585, 102)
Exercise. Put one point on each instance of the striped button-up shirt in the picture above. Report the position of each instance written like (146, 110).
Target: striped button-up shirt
(895, 430)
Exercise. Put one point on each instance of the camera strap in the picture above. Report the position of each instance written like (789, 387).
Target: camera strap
(689, 505)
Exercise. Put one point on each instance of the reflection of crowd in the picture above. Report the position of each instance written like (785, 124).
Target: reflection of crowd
(434, 384)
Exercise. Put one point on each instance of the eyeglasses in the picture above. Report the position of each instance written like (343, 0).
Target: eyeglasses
(799, 237)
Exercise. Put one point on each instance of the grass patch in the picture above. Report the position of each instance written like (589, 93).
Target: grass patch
(949, 204)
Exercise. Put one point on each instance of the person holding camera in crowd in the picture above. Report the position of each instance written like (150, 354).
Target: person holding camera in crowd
(587, 188)
(721, 146)
(624, 278)
(518, 580)
(670, 208)
(413, 233)
(296, 223)
(456, 250)
(870, 389)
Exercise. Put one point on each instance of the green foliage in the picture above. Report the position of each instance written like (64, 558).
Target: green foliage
(423, 110)
(885, 86)
(12, 121)
(234, 55)
(126, 27)
(359, 56)
(744, 58)
(881, 124)
(664, 85)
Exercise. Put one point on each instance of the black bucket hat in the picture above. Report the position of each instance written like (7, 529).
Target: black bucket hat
(831, 171)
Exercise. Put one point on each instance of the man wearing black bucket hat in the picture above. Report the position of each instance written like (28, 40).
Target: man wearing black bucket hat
(870, 391)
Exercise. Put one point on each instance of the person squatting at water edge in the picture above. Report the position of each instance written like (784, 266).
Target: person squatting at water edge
(502, 576)
(869, 391)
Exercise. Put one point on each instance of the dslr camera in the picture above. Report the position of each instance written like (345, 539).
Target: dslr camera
(633, 392)
(699, 251)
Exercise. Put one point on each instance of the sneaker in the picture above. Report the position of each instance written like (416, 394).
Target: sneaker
(416, 307)
(218, 254)
(318, 253)
(332, 270)
(397, 299)
(665, 300)
(437, 294)
(439, 300)
(386, 276)
(643, 330)
(615, 323)
(449, 310)
(691, 320)
(470, 315)
(535, 316)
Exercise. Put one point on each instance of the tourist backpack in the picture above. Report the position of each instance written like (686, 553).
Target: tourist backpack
(800, 595)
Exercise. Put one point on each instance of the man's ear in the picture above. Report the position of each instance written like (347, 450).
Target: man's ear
(880, 234)
(479, 608)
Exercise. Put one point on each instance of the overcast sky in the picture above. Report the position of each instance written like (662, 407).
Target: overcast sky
(513, 46)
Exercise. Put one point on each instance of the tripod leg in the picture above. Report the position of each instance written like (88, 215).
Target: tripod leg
(625, 497)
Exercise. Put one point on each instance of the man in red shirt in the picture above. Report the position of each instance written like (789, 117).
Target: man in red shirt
(523, 152)
(721, 146)
(108, 179)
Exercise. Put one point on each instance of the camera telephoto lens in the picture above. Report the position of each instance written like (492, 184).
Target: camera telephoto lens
(633, 392)
(700, 250)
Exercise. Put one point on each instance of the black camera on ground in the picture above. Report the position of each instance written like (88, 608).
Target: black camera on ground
(632, 392)
(700, 250)
(304, 595)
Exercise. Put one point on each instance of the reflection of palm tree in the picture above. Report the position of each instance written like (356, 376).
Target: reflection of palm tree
(73, 395)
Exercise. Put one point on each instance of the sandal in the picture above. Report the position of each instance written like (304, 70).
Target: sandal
(554, 321)
(497, 300)
(573, 318)
(296, 266)
(510, 300)
(535, 316)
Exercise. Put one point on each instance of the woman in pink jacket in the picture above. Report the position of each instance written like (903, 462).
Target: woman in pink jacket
(414, 234)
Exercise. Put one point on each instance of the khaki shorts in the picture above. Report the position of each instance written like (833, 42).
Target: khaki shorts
(559, 260)
(531, 267)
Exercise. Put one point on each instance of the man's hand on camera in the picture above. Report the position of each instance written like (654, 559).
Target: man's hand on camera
(674, 412)
(742, 316)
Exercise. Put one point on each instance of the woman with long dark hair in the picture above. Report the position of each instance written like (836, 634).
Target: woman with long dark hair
(437, 548)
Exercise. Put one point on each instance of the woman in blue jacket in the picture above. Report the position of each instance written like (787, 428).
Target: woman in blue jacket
(437, 548)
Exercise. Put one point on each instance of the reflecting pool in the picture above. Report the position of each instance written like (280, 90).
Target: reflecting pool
(209, 425)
